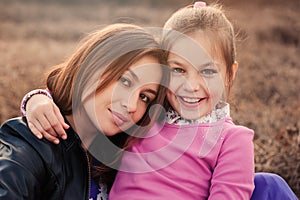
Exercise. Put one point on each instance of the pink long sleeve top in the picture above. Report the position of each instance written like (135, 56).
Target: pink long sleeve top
(193, 161)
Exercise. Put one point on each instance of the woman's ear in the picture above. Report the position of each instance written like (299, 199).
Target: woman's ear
(235, 67)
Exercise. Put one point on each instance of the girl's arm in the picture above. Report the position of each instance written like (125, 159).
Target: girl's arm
(43, 116)
(233, 176)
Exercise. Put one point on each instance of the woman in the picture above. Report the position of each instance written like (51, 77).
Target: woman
(102, 91)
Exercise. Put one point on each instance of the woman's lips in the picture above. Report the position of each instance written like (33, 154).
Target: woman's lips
(118, 118)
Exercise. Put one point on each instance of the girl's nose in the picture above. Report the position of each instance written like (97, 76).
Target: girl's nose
(193, 83)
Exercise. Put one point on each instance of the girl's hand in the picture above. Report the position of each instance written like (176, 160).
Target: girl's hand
(44, 119)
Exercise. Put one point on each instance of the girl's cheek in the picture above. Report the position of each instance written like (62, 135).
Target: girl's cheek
(216, 89)
(175, 83)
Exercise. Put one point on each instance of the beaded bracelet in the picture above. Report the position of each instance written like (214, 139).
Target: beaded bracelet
(29, 95)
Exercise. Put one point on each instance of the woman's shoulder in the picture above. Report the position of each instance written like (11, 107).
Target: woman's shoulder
(21, 143)
(18, 121)
(15, 127)
(17, 151)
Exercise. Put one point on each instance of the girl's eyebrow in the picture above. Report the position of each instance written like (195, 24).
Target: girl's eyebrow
(176, 62)
(211, 63)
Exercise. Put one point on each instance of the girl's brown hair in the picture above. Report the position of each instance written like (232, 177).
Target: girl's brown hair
(112, 51)
(211, 21)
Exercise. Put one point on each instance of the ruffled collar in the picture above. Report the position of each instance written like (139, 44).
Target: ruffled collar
(221, 111)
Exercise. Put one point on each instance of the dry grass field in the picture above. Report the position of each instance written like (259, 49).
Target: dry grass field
(34, 35)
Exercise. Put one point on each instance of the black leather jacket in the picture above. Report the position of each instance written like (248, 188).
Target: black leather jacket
(37, 169)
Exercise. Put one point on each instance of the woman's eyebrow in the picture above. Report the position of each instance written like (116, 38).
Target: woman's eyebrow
(152, 91)
(133, 74)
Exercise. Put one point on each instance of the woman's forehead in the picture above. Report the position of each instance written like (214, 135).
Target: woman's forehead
(146, 69)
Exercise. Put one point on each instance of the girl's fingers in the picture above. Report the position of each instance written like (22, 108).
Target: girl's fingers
(35, 125)
(66, 126)
(50, 138)
(53, 126)
(60, 123)
(46, 126)
(39, 132)
(35, 131)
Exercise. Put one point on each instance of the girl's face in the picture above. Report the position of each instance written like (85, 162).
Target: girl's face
(197, 77)
(124, 103)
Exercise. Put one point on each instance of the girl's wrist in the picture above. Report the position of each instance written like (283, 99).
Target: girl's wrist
(29, 95)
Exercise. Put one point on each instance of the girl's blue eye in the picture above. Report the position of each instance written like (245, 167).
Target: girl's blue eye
(145, 98)
(178, 70)
(208, 71)
(126, 82)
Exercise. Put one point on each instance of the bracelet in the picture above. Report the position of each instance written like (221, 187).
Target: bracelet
(29, 95)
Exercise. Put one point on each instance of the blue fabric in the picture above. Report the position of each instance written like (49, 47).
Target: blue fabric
(270, 186)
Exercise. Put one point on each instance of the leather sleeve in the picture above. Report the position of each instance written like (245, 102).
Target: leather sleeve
(16, 182)
(21, 168)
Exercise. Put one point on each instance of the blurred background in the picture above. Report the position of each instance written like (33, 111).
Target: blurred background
(37, 34)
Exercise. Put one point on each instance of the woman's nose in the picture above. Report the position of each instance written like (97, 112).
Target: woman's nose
(131, 103)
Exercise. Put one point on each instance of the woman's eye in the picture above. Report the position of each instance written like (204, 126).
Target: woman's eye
(177, 70)
(125, 81)
(208, 71)
(145, 98)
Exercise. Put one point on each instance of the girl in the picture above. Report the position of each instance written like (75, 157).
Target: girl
(83, 88)
(198, 153)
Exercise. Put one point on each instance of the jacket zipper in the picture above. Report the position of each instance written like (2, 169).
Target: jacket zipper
(89, 175)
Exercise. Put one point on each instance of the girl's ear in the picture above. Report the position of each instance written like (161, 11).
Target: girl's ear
(235, 67)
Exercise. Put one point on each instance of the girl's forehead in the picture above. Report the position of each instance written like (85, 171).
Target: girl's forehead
(197, 47)
(190, 50)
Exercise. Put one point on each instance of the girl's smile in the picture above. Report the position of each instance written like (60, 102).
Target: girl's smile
(190, 101)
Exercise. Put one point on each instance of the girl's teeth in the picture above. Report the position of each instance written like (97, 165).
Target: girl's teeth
(190, 100)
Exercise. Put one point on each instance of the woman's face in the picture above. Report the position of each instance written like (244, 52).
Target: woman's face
(123, 103)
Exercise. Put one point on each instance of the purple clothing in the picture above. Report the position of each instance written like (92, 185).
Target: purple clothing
(270, 186)
(94, 190)
(195, 161)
